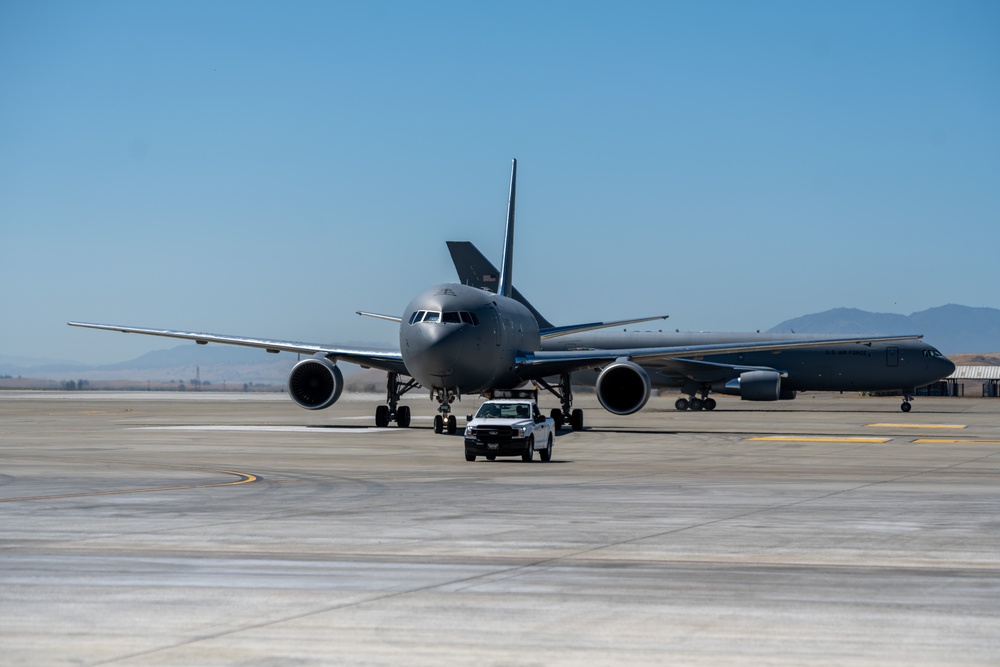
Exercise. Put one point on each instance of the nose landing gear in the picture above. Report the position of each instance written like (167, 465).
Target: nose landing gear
(445, 420)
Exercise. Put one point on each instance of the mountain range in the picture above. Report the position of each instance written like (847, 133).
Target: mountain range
(952, 329)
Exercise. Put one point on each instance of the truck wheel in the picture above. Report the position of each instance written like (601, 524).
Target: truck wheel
(546, 454)
(529, 452)
(469, 456)
(491, 457)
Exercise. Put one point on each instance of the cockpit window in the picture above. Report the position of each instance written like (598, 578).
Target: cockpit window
(932, 353)
(449, 317)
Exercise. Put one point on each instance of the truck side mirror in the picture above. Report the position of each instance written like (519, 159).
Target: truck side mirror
(468, 418)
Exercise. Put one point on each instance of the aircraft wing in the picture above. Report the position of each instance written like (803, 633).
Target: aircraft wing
(544, 363)
(555, 332)
(384, 360)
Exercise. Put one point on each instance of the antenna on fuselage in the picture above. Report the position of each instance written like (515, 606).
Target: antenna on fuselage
(506, 286)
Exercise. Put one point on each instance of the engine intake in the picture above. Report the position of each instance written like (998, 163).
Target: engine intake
(315, 383)
(623, 388)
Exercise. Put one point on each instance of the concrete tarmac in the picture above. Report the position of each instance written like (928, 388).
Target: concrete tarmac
(229, 529)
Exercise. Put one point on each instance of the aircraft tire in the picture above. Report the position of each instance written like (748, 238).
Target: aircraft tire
(438, 424)
(403, 416)
(696, 404)
(382, 416)
(681, 404)
(452, 425)
(906, 407)
(529, 452)
(556, 415)
(709, 404)
(576, 420)
(546, 454)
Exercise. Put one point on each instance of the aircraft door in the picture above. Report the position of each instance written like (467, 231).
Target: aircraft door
(892, 356)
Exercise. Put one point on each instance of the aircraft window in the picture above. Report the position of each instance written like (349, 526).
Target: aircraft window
(432, 316)
(470, 318)
(416, 317)
(932, 353)
(452, 318)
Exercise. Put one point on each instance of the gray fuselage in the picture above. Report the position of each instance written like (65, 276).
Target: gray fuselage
(875, 367)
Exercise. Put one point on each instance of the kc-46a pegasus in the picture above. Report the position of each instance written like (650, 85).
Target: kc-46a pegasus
(456, 340)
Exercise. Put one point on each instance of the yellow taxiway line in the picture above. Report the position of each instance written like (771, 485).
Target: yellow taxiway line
(245, 478)
(825, 438)
(916, 425)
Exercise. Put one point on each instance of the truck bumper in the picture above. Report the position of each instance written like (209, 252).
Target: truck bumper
(514, 447)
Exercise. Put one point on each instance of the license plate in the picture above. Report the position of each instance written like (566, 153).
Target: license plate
(493, 445)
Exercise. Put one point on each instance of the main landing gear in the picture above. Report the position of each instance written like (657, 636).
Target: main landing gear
(694, 403)
(393, 412)
(565, 415)
(445, 420)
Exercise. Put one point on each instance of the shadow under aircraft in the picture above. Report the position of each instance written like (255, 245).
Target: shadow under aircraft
(457, 340)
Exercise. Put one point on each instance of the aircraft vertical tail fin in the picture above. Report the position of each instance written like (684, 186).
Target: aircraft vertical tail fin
(507, 264)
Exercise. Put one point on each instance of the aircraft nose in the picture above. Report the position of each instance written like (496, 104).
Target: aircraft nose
(436, 348)
(947, 366)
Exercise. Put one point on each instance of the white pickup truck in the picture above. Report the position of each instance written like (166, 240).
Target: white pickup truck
(509, 427)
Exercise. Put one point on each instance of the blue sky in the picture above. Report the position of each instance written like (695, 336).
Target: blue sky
(267, 169)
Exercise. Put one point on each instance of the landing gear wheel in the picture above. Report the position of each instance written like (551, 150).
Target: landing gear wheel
(696, 404)
(438, 424)
(576, 420)
(452, 424)
(491, 457)
(382, 416)
(906, 407)
(556, 415)
(546, 454)
(709, 404)
(681, 404)
(529, 452)
(403, 416)
(469, 456)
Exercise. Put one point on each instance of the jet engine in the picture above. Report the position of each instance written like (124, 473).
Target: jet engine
(756, 386)
(315, 383)
(622, 387)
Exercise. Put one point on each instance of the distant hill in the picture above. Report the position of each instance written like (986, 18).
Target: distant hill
(951, 328)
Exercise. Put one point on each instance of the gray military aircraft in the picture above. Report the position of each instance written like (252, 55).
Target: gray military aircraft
(457, 340)
(753, 375)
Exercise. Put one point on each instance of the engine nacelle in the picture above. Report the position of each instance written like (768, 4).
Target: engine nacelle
(315, 383)
(756, 386)
(623, 387)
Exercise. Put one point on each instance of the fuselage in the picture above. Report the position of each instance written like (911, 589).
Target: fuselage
(465, 339)
(874, 367)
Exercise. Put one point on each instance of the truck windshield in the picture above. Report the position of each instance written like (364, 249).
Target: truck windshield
(505, 411)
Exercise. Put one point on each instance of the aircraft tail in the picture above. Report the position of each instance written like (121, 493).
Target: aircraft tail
(505, 287)
(477, 271)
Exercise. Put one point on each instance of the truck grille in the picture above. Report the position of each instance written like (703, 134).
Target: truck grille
(493, 433)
